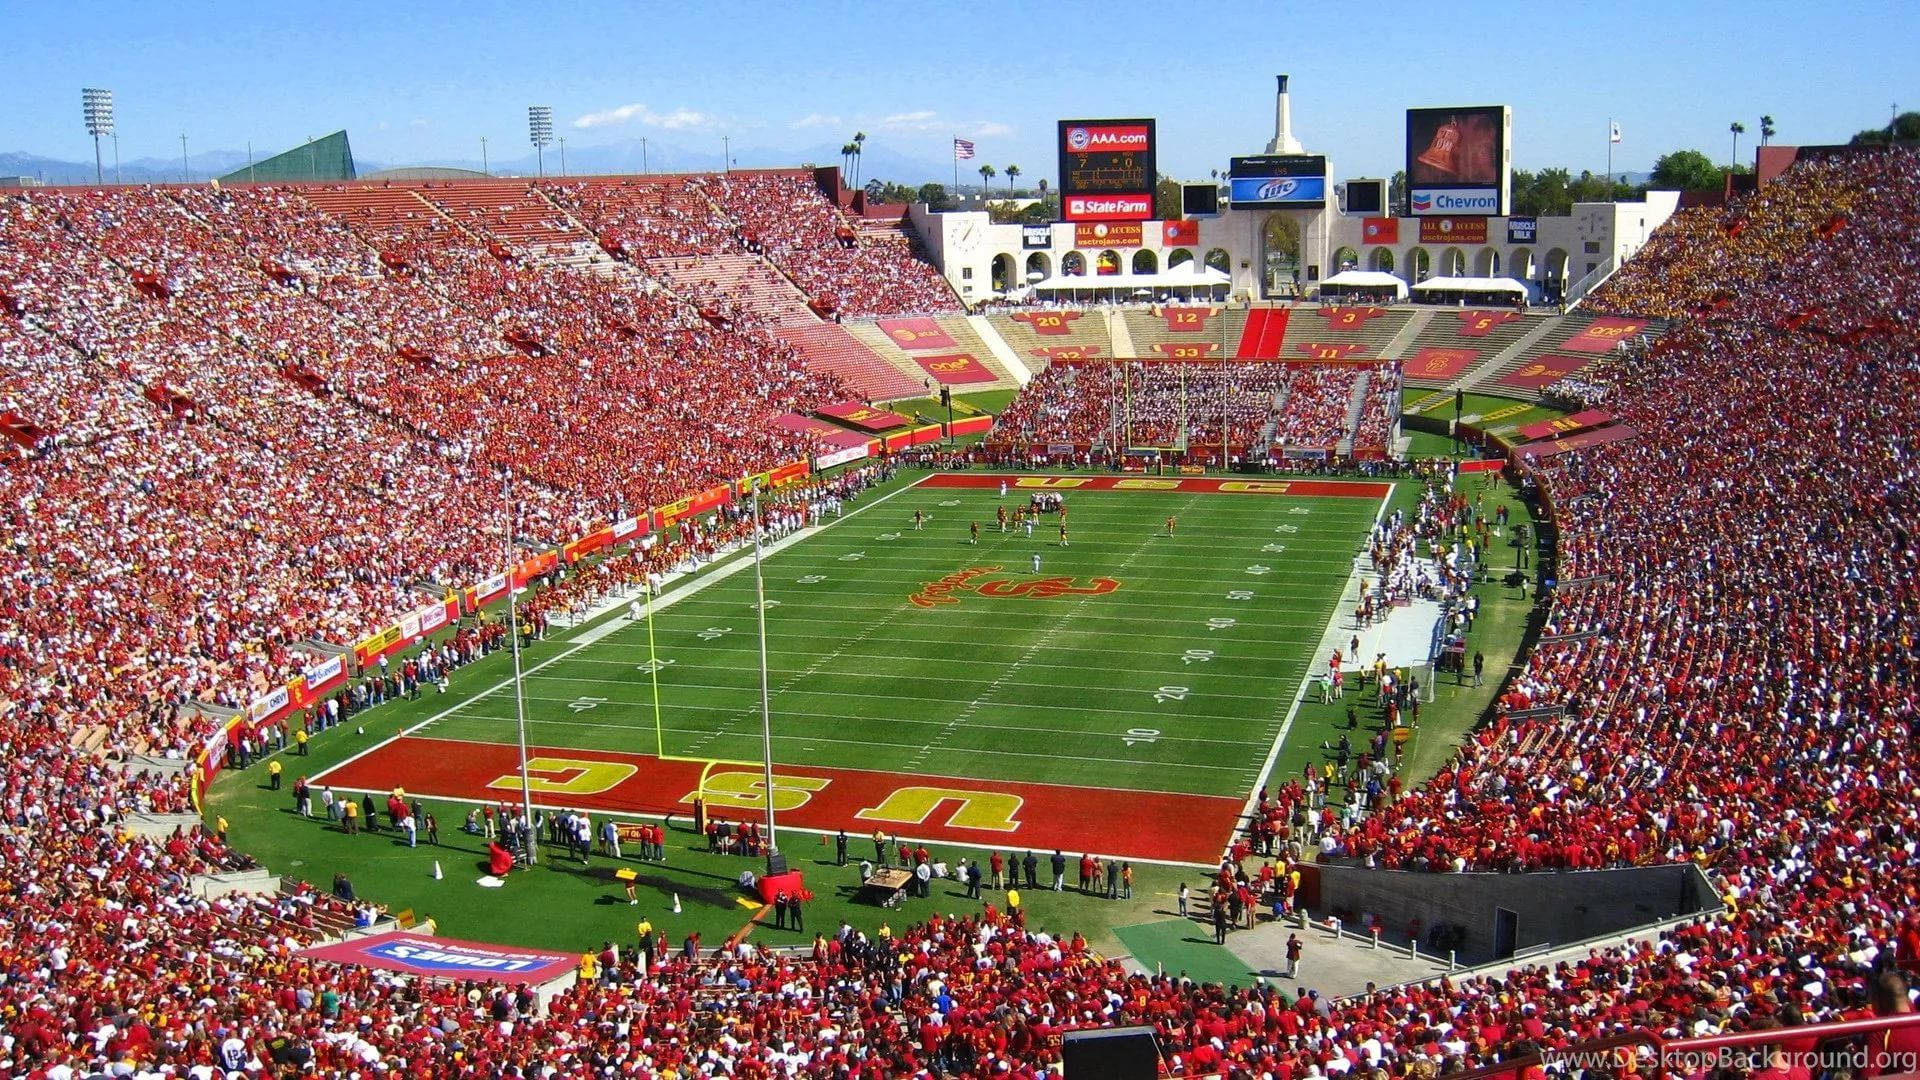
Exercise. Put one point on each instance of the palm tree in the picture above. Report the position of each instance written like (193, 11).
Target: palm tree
(846, 162)
(986, 174)
(1767, 130)
(859, 141)
(1738, 130)
(1013, 173)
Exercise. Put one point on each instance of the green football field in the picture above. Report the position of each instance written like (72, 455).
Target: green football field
(1134, 669)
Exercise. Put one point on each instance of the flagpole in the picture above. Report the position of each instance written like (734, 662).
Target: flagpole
(955, 148)
(1609, 159)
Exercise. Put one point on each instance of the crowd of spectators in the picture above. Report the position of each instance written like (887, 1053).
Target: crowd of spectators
(1747, 698)
(1317, 407)
(647, 217)
(1157, 404)
(786, 218)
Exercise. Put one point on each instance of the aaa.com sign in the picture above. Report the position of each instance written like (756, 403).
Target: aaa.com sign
(1082, 138)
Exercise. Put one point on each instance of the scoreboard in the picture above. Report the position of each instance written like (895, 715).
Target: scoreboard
(1107, 170)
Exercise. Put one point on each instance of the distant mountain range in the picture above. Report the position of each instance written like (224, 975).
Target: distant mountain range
(606, 158)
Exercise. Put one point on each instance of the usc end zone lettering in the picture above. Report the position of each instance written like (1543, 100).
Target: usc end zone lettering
(992, 811)
(1144, 484)
(567, 776)
(748, 791)
(1053, 481)
(1261, 487)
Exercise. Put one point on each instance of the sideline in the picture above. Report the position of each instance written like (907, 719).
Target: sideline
(1327, 641)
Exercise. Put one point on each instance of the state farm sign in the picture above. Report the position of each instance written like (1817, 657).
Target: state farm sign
(1109, 207)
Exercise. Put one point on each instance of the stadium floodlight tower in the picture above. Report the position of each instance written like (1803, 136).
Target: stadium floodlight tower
(540, 132)
(97, 106)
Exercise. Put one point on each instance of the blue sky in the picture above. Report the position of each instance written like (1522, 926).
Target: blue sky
(425, 80)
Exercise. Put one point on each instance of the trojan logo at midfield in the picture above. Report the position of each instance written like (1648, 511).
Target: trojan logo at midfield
(979, 580)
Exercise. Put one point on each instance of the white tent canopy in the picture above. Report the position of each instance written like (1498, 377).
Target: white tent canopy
(1189, 275)
(1366, 279)
(1492, 285)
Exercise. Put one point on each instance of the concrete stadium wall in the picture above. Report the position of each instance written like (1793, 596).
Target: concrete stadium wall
(1552, 908)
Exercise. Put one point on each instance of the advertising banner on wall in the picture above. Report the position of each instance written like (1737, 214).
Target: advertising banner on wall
(1104, 235)
(1522, 230)
(1458, 160)
(1296, 181)
(1380, 230)
(1453, 230)
(1036, 236)
(1176, 233)
(1108, 207)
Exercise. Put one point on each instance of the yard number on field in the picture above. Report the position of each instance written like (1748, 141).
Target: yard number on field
(1222, 623)
(1171, 693)
(1239, 594)
(889, 536)
(853, 556)
(1299, 510)
(655, 665)
(1286, 528)
(1197, 656)
(1274, 549)
(1256, 569)
(812, 579)
(1140, 735)
(712, 632)
(582, 704)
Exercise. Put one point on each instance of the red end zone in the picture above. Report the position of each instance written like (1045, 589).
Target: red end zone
(986, 813)
(1191, 485)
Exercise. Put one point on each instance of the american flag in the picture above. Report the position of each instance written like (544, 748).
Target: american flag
(962, 149)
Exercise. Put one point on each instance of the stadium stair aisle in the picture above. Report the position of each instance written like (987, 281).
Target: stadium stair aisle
(1403, 338)
(1355, 405)
(1019, 370)
(1120, 335)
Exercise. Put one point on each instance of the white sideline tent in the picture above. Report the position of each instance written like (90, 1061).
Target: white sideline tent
(1367, 281)
(1494, 289)
(1186, 279)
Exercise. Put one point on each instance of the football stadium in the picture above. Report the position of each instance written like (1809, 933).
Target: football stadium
(671, 618)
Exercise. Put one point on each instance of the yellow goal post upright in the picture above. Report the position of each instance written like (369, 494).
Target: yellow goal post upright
(769, 794)
(659, 729)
